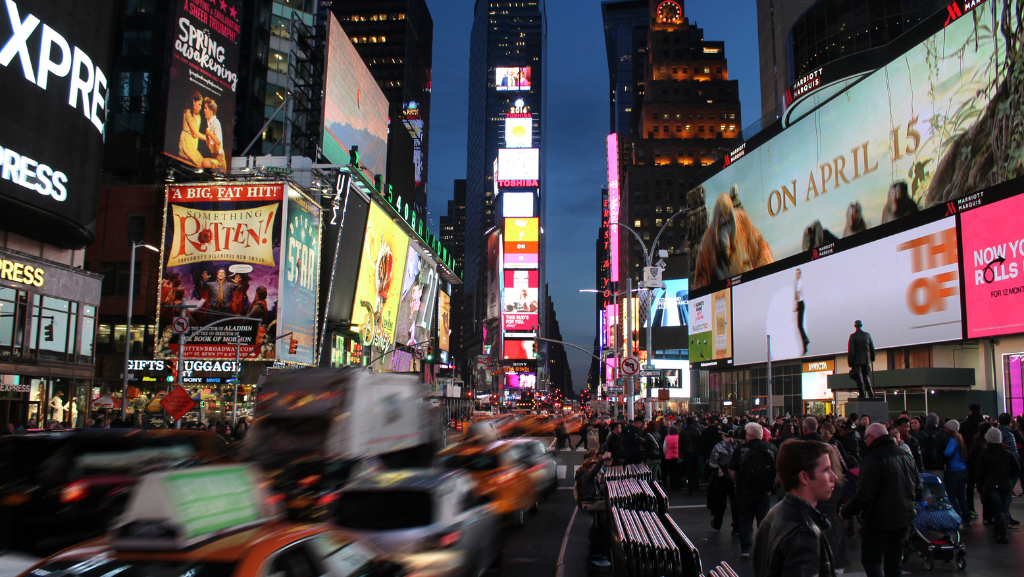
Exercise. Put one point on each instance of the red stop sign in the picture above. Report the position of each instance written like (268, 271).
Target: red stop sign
(177, 403)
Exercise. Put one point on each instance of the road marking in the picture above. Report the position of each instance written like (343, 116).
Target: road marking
(561, 471)
(574, 469)
(560, 572)
(687, 506)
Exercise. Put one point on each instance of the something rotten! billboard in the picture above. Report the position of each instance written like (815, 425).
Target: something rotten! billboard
(222, 258)
(203, 83)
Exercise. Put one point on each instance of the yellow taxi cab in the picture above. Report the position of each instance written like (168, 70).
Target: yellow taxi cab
(214, 522)
(504, 471)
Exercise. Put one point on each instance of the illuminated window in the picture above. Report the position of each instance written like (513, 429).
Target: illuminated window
(732, 116)
(636, 222)
(688, 128)
(664, 116)
(732, 128)
(679, 116)
(722, 129)
(657, 222)
(707, 71)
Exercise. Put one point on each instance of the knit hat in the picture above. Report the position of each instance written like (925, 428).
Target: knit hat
(953, 425)
(932, 420)
(994, 436)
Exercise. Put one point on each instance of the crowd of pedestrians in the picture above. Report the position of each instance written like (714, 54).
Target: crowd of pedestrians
(827, 477)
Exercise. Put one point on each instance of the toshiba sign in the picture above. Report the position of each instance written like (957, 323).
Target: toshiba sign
(55, 65)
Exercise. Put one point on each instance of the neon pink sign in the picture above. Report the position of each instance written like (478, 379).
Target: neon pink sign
(613, 201)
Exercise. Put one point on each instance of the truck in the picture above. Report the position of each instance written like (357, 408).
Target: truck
(315, 429)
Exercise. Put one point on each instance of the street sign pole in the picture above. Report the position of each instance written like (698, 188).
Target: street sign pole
(629, 346)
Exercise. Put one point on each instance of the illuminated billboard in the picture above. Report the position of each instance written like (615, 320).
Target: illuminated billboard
(914, 298)
(379, 284)
(612, 150)
(222, 254)
(203, 81)
(668, 305)
(55, 109)
(517, 204)
(520, 349)
(522, 235)
(516, 164)
(675, 376)
(300, 279)
(506, 79)
(518, 132)
(521, 300)
(355, 109)
(861, 160)
(711, 329)
(993, 260)
(494, 268)
(444, 327)
(419, 292)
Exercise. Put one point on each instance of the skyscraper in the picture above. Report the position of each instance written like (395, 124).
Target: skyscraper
(504, 171)
(395, 39)
(453, 237)
(625, 37)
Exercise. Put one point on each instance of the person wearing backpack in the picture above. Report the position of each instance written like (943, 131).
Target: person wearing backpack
(752, 469)
(933, 443)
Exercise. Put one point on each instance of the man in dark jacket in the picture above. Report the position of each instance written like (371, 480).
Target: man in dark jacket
(995, 470)
(888, 489)
(633, 442)
(809, 431)
(903, 425)
(860, 354)
(689, 450)
(614, 443)
(968, 430)
(791, 540)
(752, 502)
(933, 442)
(849, 438)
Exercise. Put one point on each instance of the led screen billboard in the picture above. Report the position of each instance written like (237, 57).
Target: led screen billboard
(444, 327)
(203, 81)
(612, 156)
(668, 305)
(521, 300)
(56, 70)
(913, 134)
(355, 109)
(675, 376)
(379, 284)
(494, 268)
(711, 328)
(506, 79)
(419, 293)
(520, 349)
(993, 262)
(517, 204)
(300, 280)
(516, 164)
(222, 255)
(913, 298)
(518, 132)
(522, 235)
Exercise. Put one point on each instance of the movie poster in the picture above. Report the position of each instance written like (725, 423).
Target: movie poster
(199, 127)
(379, 285)
(419, 292)
(300, 279)
(222, 257)
(444, 312)
(925, 129)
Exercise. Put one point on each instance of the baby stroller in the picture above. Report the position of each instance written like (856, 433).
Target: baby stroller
(935, 515)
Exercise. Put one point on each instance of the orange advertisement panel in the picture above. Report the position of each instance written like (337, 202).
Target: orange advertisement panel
(379, 286)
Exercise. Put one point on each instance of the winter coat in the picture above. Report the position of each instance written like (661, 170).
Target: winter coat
(689, 440)
(791, 542)
(671, 446)
(995, 468)
(888, 487)
(954, 457)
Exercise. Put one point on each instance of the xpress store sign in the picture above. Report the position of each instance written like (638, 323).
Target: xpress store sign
(54, 68)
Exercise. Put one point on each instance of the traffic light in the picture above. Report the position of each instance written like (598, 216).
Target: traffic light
(293, 347)
(353, 155)
(170, 378)
(429, 358)
(48, 332)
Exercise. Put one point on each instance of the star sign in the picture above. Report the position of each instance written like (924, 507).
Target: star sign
(234, 13)
(223, 5)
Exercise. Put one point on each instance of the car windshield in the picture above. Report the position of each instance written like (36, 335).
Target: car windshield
(98, 567)
(477, 462)
(384, 510)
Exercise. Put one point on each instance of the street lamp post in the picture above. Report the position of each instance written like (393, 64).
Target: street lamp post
(648, 256)
(128, 327)
(601, 361)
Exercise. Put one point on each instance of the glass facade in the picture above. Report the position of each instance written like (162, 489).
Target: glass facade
(742, 391)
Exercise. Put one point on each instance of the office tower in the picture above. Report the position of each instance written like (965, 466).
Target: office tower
(625, 37)
(504, 177)
(774, 20)
(395, 39)
(453, 237)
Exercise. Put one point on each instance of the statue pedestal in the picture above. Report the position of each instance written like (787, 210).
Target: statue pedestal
(877, 409)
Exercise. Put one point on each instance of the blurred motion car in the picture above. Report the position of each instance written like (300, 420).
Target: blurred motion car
(315, 429)
(59, 488)
(540, 462)
(431, 521)
(506, 472)
(214, 522)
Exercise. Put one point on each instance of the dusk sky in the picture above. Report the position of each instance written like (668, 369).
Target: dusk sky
(577, 115)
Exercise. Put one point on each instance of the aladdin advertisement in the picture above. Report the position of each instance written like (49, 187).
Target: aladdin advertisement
(809, 310)
(379, 286)
(993, 262)
(926, 129)
(222, 258)
(300, 279)
(521, 300)
(203, 83)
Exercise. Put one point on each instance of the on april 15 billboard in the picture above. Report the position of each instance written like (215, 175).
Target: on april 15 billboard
(300, 279)
(379, 285)
(222, 255)
(355, 109)
(56, 69)
(913, 298)
(521, 300)
(993, 262)
(203, 83)
(923, 130)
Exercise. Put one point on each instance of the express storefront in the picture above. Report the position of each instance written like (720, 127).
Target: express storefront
(47, 333)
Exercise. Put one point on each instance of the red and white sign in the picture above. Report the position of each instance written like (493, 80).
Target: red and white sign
(630, 366)
(181, 325)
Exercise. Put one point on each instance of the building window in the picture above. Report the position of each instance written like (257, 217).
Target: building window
(666, 128)
(655, 128)
(136, 228)
(278, 61)
(636, 222)
(700, 128)
(700, 116)
(679, 128)
(115, 279)
(13, 304)
(718, 70)
(54, 323)
(688, 128)
(88, 334)
(657, 152)
(722, 129)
